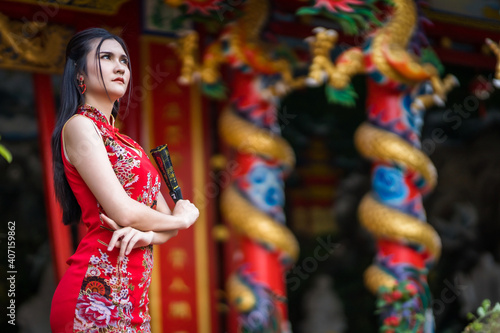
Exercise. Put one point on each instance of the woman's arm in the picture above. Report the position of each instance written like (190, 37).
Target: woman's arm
(163, 237)
(129, 238)
(161, 205)
(87, 153)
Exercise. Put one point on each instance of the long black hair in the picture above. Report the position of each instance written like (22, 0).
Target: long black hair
(80, 45)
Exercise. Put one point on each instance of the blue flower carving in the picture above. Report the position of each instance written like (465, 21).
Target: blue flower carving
(265, 190)
(389, 186)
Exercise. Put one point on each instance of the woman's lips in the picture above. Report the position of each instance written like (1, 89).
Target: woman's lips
(119, 80)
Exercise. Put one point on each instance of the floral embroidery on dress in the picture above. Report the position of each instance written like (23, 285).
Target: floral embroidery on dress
(124, 165)
(147, 263)
(95, 312)
(104, 304)
(150, 192)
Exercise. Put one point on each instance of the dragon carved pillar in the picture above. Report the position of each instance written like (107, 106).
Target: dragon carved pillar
(252, 205)
(400, 88)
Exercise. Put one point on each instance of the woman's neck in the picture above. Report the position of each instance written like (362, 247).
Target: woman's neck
(106, 107)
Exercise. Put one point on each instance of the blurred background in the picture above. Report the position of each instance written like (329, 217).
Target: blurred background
(325, 292)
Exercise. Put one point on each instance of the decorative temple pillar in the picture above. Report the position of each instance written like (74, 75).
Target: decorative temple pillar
(61, 245)
(252, 206)
(183, 290)
(400, 88)
(261, 246)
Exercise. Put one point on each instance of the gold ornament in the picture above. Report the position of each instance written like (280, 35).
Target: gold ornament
(248, 138)
(240, 295)
(32, 46)
(107, 7)
(256, 225)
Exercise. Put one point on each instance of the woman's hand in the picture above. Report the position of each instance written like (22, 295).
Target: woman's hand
(157, 237)
(127, 238)
(187, 211)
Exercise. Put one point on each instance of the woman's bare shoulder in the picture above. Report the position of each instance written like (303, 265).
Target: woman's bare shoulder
(78, 121)
(80, 128)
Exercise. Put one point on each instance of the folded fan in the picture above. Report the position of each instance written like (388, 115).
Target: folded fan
(162, 159)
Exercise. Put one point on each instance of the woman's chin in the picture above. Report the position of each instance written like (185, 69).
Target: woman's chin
(116, 97)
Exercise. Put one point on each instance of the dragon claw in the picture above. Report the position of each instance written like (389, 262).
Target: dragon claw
(183, 81)
(438, 100)
(281, 88)
(452, 80)
(310, 82)
(417, 106)
(317, 30)
(310, 39)
(331, 32)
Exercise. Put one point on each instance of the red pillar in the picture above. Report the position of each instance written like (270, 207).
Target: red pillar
(60, 238)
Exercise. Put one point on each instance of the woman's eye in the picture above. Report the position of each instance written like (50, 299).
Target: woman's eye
(125, 61)
(105, 56)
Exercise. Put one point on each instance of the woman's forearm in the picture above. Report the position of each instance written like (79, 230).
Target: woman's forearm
(163, 237)
(143, 218)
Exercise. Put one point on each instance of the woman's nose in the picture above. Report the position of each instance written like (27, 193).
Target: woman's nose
(120, 67)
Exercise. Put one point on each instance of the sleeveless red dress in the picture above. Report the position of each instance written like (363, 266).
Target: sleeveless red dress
(99, 293)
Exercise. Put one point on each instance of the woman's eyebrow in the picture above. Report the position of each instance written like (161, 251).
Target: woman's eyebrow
(123, 55)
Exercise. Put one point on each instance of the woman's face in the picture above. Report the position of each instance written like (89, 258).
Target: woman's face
(114, 67)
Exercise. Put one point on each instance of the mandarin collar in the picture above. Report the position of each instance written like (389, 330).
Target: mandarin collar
(100, 116)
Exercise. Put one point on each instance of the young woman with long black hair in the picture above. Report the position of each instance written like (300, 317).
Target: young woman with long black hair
(102, 176)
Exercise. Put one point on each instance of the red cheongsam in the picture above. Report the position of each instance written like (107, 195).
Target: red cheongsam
(99, 293)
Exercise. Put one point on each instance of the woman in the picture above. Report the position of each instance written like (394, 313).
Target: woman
(102, 176)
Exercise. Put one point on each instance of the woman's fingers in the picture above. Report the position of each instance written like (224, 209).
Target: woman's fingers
(129, 238)
(110, 222)
(126, 240)
(115, 239)
(132, 243)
